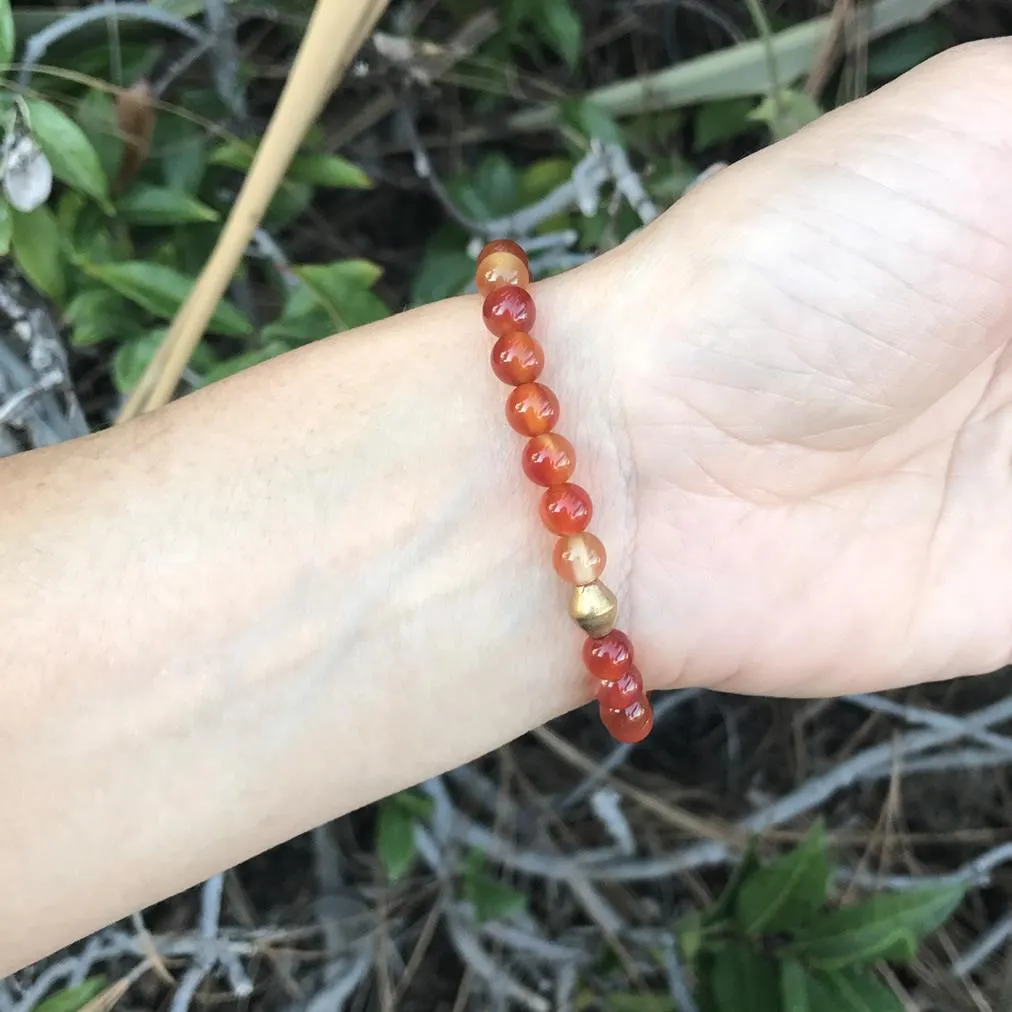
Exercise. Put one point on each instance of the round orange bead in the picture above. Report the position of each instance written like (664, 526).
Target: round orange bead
(517, 358)
(532, 409)
(501, 268)
(508, 308)
(632, 723)
(549, 459)
(579, 558)
(503, 246)
(566, 509)
(608, 657)
(622, 692)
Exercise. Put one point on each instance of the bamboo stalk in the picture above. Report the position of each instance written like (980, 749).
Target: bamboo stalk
(336, 30)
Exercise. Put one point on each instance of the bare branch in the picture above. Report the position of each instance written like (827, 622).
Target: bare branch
(985, 946)
(678, 984)
(499, 981)
(974, 873)
(930, 718)
(38, 44)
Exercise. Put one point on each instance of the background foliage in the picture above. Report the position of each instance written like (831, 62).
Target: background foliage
(530, 879)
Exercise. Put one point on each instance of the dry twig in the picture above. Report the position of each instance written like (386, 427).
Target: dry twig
(335, 32)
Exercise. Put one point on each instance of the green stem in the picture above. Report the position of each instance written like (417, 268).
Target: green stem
(762, 24)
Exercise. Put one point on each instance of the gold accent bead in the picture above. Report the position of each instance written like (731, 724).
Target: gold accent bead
(594, 609)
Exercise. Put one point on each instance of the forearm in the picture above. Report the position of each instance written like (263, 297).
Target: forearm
(277, 600)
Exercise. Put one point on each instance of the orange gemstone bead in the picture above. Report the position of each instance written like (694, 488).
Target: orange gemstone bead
(549, 459)
(632, 723)
(579, 558)
(517, 358)
(608, 657)
(566, 509)
(501, 268)
(508, 308)
(503, 246)
(621, 693)
(503, 277)
(532, 409)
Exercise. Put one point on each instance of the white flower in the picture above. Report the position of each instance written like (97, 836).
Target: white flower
(27, 174)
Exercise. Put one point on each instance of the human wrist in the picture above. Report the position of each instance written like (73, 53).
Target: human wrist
(579, 320)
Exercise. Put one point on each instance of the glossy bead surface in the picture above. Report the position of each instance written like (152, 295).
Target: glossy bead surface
(549, 459)
(508, 308)
(566, 509)
(501, 268)
(630, 724)
(517, 358)
(619, 694)
(594, 608)
(608, 657)
(579, 558)
(532, 409)
(502, 246)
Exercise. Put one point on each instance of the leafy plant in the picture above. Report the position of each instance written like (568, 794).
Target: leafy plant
(774, 941)
(489, 897)
(71, 999)
(118, 246)
(395, 830)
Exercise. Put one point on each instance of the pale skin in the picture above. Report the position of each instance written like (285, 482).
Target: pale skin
(323, 580)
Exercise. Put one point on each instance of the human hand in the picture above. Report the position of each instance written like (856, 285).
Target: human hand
(812, 358)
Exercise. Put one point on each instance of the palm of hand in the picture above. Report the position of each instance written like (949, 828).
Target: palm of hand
(820, 403)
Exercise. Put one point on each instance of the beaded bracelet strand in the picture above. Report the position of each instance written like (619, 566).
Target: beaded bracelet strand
(532, 409)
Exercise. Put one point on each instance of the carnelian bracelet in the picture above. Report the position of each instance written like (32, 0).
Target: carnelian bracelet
(532, 409)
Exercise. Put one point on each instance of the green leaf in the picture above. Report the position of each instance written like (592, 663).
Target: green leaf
(180, 149)
(288, 203)
(689, 933)
(298, 330)
(99, 314)
(794, 987)
(395, 838)
(541, 177)
(559, 26)
(342, 288)
(490, 191)
(717, 122)
(132, 358)
(786, 114)
(234, 154)
(68, 211)
(6, 228)
(316, 170)
(743, 979)
(161, 291)
(784, 895)
(159, 205)
(728, 899)
(238, 363)
(902, 51)
(96, 116)
(415, 803)
(882, 927)
(850, 991)
(490, 898)
(671, 178)
(70, 153)
(642, 1002)
(443, 273)
(37, 247)
(8, 37)
(72, 999)
(328, 170)
(592, 121)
